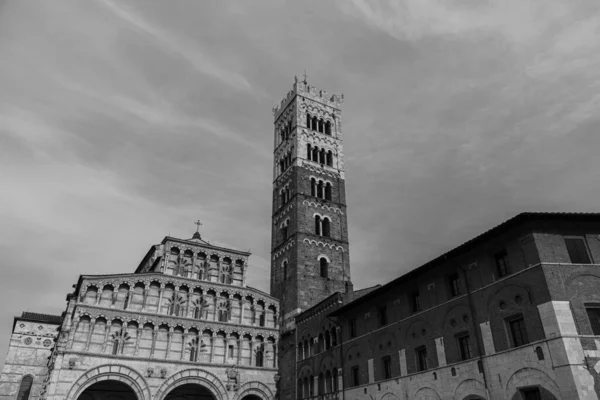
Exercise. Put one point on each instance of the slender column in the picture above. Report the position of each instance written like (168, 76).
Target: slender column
(216, 300)
(106, 332)
(74, 328)
(98, 296)
(316, 386)
(128, 299)
(82, 293)
(89, 338)
(242, 312)
(160, 296)
(212, 348)
(252, 355)
(239, 350)
(169, 338)
(154, 333)
(138, 337)
(113, 297)
(188, 307)
(184, 339)
(275, 354)
(146, 291)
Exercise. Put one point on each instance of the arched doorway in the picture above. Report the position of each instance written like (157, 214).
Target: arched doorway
(251, 397)
(190, 391)
(108, 390)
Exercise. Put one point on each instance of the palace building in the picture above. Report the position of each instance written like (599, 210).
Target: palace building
(183, 324)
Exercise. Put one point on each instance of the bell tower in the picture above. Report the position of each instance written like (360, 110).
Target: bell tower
(309, 241)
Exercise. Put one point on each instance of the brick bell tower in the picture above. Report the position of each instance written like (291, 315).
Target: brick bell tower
(309, 241)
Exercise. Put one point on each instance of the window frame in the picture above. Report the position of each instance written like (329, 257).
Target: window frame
(454, 284)
(386, 366)
(415, 302)
(596, 308)
(459, 338)
(509, 321)
(354, 376)
(585, 248)
(421, 362)
(352, 328)
(382, 315)
(502, 263)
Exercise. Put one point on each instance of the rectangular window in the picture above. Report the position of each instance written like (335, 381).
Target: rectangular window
(415, 301)
(382, 311)
(355, 376)
(502, 266)
(387, 367)
(531, 393)
(453, 282)
(464, 346)
(352, 324)
(516, 328)
(577, 250)
(421, 353)
(594, 317)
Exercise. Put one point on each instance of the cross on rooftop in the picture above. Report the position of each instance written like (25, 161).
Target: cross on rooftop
(198, 225)
(305, 76)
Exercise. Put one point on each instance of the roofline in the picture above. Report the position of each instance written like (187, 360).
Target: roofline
(16, 318)
(469, 245)
(212, 246)
(148, 254)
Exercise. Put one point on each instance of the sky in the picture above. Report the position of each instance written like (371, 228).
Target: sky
(125, 121)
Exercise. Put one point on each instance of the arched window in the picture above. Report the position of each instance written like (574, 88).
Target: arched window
(327, 340)
(308, 121)
(261, 321)
(308, 152)
(197, 312)
(330, 158)
(315, 154)
(321, 384)
(314, 124)
(281, 168)
(328, 191)
(328, 128)
(25, 388)
(306, 349)
(284, 231)
(323, 267)
(322, 156)
(282, 197)
(320, 189)
(259, 355)
(115, 347)
(335, 380)
(326, 227)
(328, 383)
(311, 386)
(321, 125)
(333, 338)
(317, 225)
(307, 392)
(300, 351)
(299, 389)
(281, 135)
(313, 187)
(321, 343)
(285, 270)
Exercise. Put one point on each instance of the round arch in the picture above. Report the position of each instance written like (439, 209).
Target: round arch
(255, 388)
(115, 372)
(470, 389)
(426, 393)
(530, 377)
(194, 376)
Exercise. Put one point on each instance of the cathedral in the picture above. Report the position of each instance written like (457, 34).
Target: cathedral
(513, 313)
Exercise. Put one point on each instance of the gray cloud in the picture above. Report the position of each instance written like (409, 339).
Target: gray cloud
(122, 122)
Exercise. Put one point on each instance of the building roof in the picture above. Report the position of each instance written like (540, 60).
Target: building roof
(516, 221)
(36, 317)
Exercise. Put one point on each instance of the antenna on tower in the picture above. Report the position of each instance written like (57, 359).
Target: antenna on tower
(305, 81)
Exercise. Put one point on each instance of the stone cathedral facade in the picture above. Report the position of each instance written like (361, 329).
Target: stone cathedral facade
(183, 324)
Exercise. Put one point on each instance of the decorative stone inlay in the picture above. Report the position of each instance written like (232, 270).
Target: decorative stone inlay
(27, 341)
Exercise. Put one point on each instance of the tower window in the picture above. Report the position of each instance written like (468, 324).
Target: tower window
(317, 225)
(330, 158)
(322, 156)
(382, 314)
(323, 267)
(328, 191)
(285, 270)
(25, 388)
(315, 154)
(309, 152)
(308, 121)
(321, 126)
(313, 187)
(328, 128)
(320, 189)
(314, 124)
(355, 376)
(577, 250)
(326, 227)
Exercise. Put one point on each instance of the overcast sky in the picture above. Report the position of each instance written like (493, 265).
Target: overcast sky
(124, 121)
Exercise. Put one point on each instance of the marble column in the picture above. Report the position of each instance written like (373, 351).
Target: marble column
(89, 338)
